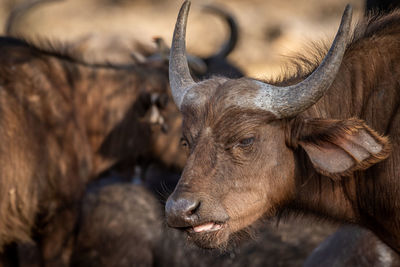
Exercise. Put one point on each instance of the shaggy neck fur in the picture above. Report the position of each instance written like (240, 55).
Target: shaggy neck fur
(367, 87)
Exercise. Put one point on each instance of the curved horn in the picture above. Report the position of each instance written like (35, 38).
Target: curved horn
(195, 64)
(230, 44)
(290, 101)
(180, 79)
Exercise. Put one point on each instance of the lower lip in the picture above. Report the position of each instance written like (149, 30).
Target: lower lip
(206, 228)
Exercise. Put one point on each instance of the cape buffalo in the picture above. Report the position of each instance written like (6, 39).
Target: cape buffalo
(64, 122)
(114, 48)
(313, 142)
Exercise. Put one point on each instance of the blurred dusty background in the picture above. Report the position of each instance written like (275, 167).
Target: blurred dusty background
(270, 30)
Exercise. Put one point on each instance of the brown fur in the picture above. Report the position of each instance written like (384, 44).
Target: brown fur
(121, 225)
(352, 246)
(63, 122)
(366, 88)
(283, 167)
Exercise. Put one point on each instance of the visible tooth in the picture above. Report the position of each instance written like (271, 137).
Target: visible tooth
(204, 227)
(216, 227)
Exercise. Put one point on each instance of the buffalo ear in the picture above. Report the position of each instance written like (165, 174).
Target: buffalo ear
(338, 147)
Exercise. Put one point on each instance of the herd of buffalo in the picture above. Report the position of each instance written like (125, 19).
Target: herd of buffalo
(178, 160)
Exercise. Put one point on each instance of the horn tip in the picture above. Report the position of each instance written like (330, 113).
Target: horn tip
(348, 10)
(349, 7)
(186, 4)
(347, 17)
(184, 10)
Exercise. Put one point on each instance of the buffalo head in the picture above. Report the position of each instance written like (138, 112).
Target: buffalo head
(241, 164)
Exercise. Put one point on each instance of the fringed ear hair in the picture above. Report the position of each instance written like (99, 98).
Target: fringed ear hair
(337, 148)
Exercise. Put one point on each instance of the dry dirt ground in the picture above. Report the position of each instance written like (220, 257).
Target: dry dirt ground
(270, 31)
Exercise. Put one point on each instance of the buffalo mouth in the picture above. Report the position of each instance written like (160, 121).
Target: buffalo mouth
(209, 234)
(206, 227)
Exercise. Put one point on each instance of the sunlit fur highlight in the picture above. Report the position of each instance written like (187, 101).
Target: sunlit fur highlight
(363, 97)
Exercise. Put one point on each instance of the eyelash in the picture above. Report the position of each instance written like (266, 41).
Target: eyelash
(245, 142)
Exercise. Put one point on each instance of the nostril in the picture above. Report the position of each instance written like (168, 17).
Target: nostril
(182, 212)
(192, 208)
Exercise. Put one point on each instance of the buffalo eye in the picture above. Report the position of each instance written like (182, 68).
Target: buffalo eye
(184, 143)
(246, 142)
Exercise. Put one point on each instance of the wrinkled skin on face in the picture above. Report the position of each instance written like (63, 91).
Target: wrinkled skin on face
(227, 150)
